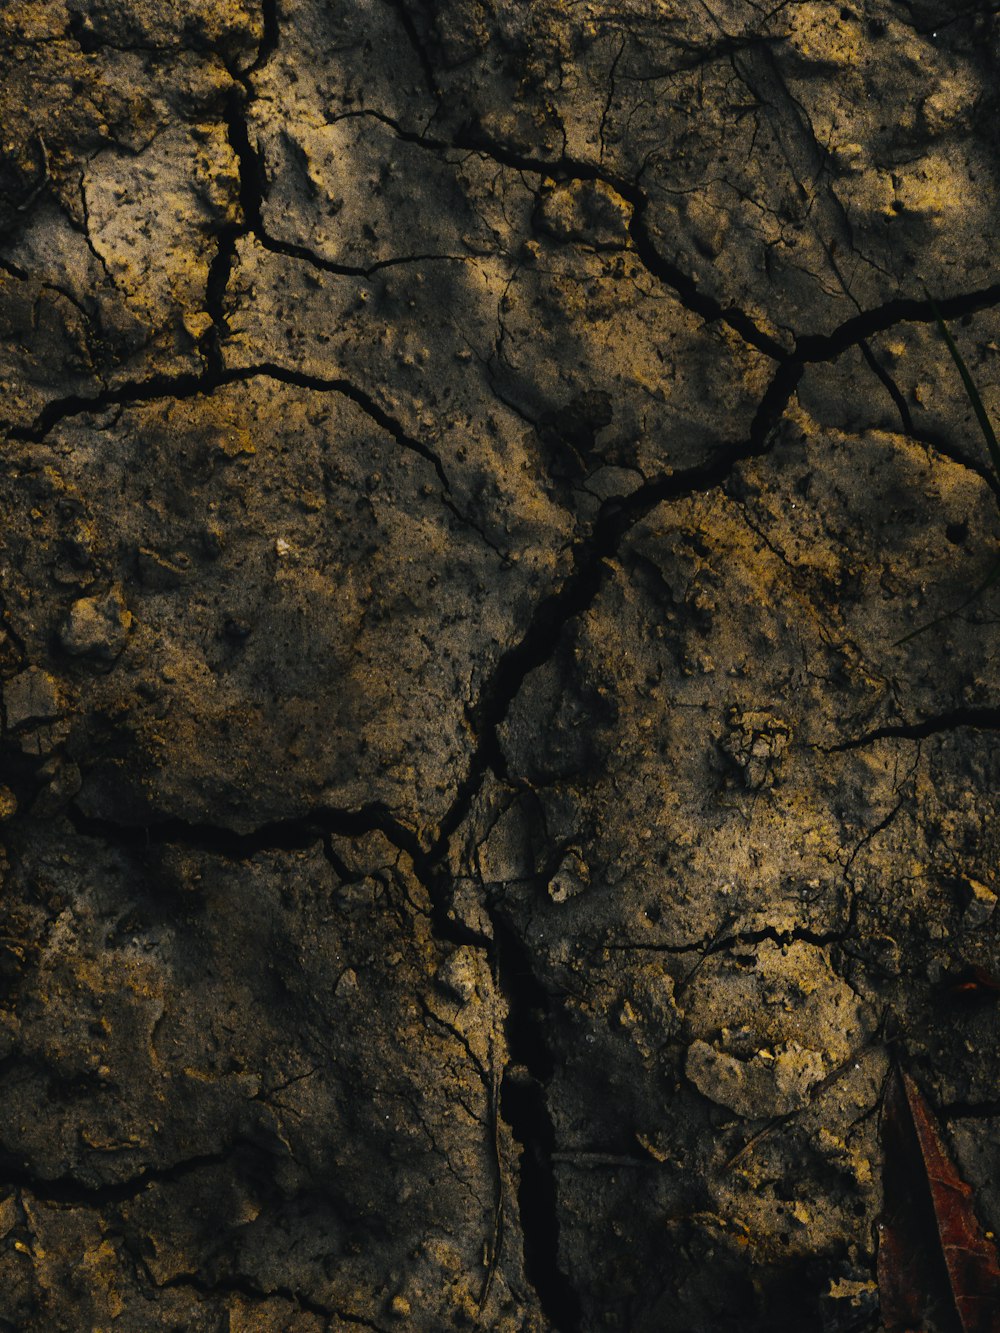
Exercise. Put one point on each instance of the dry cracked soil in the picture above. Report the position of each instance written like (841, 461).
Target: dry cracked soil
(472, 835)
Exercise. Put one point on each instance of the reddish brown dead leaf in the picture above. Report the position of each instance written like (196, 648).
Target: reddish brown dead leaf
(937, 1273)
(973, 985)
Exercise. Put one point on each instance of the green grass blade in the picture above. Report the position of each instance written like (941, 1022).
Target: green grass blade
(985, 425)
(992, 577)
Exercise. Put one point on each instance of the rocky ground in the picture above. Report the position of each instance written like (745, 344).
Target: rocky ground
(472, 833)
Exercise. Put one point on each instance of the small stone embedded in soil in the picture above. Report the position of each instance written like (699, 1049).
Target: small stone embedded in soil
(572, 878)
(459, 973)
(980, 903)
(768, 1083)
(32, 696)
(96, 627)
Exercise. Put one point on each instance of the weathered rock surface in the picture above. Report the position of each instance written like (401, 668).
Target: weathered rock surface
(472, 818)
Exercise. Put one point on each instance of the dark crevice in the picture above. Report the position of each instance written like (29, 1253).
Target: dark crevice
(472, 140)
(68, 1189)
(270, 12)
(523, 1103)
(436, 882)
(691, 296)
(280, 835)
(190, 385)
(978, 719)
(707, 947)
(616, 518)
(821, 939)
(251, 188)
(181, 386)
(963, 1110)
(316, 826)
(902, 310)
(250, 193)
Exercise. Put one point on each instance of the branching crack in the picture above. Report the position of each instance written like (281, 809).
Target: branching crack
(189, 385)
(821, 939)
(977, 719)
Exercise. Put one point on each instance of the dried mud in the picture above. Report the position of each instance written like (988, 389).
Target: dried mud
(471, 831)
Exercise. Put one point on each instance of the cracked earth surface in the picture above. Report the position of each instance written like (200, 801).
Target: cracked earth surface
(470, 825)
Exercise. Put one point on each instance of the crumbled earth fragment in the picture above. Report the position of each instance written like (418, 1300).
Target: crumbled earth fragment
(96, 626)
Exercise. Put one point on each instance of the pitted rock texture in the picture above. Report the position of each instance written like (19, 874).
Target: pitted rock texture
(475, 817)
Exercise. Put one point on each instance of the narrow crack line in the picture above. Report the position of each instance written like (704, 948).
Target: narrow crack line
(977, 719)
(890, 386)
(873, 1041)
(281, 835)
(806, 157)
(798, 572)
(238, 1284)
(714, 944)
(873, 833)
(85, 230)
(420, 51)
(497, 1236)
(295, 250)
(609, 98)
(958, 456)
(190, 385)
(820, 939)
(69, 1189)
(431, 1017)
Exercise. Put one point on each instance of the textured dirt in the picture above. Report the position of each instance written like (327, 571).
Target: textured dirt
(472, 835)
